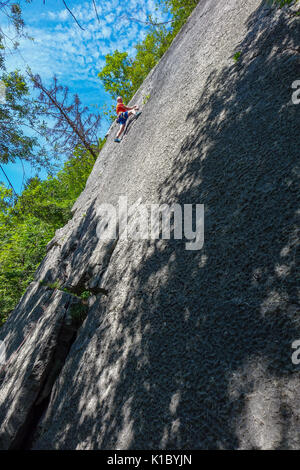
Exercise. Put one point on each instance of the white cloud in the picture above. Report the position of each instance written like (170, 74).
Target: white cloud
(63, 15)
(106, 32)
(110, 18)
(62, 48)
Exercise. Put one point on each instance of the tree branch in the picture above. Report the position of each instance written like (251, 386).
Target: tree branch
(95, 8)
(73, 15)
(149, 22)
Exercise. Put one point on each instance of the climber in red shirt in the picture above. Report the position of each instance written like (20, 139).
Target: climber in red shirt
(123, 113)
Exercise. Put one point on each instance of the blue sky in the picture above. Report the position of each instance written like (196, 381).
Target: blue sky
(60, 47)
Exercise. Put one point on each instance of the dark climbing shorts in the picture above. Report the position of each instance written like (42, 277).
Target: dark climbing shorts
(122, 118)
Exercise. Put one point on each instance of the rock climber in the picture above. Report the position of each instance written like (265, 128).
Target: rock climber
(123, 113)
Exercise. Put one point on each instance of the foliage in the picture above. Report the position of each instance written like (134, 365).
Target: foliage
(146, 98)
(28, 224)
(85, 295)
(282, 3)
(116, 75)
(22, 246)
(180, 11)
(237, 56)
(16, 114)
(148, 54)
(51, 285)
(122, 76)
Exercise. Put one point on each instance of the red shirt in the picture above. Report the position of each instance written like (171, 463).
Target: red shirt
(121, 108)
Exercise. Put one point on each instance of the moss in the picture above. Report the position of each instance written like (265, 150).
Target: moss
(85, 295)
(51, 285)
(237, 56)
(146, 98)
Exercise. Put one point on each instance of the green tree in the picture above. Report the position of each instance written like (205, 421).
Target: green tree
(282, 3)
(22, 243)
(122, 76)
(116, 75)
(19, 112)
(180, 11)
(29, 223)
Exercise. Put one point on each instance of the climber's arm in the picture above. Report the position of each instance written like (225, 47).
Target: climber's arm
(131, 108)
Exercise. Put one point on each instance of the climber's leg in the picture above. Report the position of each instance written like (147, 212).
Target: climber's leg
(121, 130)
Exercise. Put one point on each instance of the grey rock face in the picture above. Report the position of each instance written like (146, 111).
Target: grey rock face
(179, 349)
